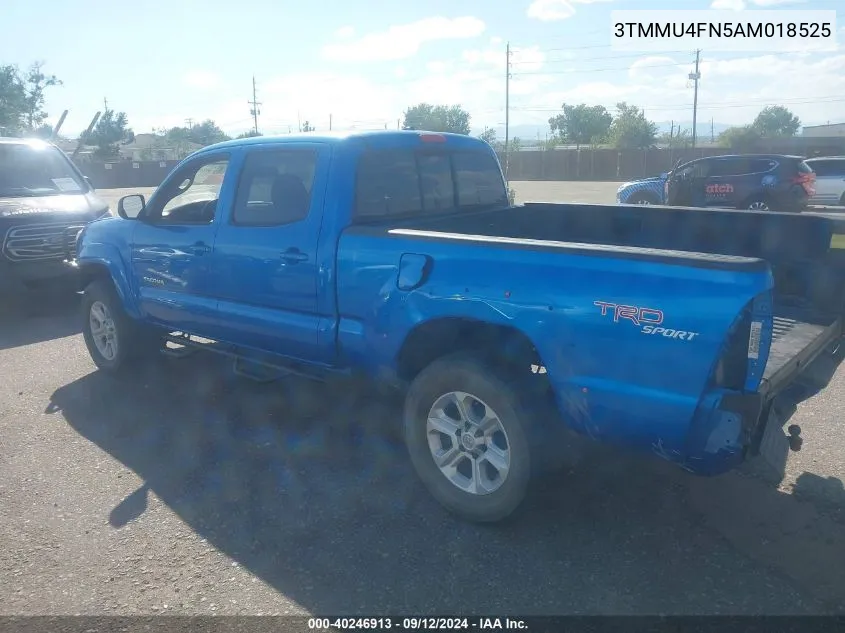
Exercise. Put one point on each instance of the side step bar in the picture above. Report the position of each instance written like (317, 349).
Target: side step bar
(266, 368)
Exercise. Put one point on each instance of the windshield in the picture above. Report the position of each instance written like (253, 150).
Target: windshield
(36, 169)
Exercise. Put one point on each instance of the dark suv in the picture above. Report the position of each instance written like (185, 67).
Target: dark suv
(764, 182)
(44, 203)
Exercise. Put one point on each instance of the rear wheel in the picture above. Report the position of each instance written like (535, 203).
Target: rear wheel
(114, 340)
(467, 436)
(757, 204)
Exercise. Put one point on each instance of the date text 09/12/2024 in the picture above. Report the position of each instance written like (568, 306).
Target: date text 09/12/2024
(417, 624)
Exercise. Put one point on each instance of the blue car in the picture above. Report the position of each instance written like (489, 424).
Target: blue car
(645, 191)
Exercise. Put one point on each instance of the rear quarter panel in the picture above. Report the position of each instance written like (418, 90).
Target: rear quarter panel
(612, 380)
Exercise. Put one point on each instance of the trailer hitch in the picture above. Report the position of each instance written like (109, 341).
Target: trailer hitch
(795, 440)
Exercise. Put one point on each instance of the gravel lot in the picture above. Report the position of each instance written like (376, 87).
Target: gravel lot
(185, 490)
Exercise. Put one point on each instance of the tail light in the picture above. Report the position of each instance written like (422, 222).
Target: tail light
(432, 138)
(732, 368)
(806, 180)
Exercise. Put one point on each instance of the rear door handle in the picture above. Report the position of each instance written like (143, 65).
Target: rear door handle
(294, 255)
(200, 248)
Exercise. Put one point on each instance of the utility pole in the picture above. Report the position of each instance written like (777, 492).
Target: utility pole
(507, 105)
(712, 132)
(330, 123)
(254, 111)
(105, 104)
(189, 123)
(695, 77)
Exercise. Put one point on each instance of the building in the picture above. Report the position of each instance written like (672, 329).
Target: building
(828, 131)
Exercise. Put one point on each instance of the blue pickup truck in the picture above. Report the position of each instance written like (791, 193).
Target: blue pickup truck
(397, 254)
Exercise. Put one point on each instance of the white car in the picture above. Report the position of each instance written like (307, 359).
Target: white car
(830, 180)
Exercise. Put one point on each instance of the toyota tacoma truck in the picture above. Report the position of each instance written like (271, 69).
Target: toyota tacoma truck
(397, 254)
(44, 202)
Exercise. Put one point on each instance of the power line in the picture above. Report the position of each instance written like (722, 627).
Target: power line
(597, 70)
(590, 59)
(695, 77)
(507, 104)
(254, 111)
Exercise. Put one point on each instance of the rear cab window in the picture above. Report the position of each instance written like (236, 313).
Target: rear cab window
(408, 182)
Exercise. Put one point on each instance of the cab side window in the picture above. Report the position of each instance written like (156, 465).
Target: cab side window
(275, 187)
(190, 196)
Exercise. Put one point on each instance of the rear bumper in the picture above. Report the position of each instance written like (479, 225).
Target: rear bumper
(722, 432)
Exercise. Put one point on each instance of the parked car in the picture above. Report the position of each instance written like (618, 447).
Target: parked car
(830, 180)
(398, 255)
(765, 182)
(44, 202)
(643, 191)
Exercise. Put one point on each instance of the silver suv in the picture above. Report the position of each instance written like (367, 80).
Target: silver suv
(830, 180)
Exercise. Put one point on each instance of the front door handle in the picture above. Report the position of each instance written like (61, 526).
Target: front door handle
(294, 255)
(200, 248)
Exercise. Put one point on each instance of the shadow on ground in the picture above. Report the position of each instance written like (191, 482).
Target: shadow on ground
(38, 316)
(308, 487)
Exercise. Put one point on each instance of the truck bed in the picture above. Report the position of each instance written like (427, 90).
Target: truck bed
(809, 275)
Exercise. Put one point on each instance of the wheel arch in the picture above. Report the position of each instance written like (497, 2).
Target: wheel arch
(443, 336)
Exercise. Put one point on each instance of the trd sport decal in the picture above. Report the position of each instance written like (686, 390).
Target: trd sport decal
(648, 320)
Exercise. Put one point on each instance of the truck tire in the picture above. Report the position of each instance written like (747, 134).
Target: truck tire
(482, 447)
(114, 340)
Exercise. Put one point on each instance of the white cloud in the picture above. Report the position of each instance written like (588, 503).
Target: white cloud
(404, 40)
(739, 5)
(554, 10)
(345, 32)
(728, 5)
(731, 91)
(201, 79)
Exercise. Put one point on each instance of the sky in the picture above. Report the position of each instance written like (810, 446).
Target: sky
(360, 65)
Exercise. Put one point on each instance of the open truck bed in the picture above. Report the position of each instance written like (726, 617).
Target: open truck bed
(808, 268)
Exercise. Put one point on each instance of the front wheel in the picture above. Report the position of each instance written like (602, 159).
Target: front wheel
(114, 340)
(466, 434)
(643, 199)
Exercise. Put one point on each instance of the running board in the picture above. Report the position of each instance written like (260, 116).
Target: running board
(268, 368)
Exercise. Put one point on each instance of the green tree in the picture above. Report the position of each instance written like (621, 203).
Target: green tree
(440, 118)
(307, 127)
(205, 133)
(742, 138)
(630, 129)
(678, 138)
(581, 124)
(488, 136)
(249, 134)
(776, 121)
(35, 83)
(22, 97)
(111, 131)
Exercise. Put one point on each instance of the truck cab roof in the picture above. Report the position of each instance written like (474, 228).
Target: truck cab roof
(373, 138)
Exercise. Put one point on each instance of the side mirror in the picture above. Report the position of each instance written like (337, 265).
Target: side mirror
(130, 207)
